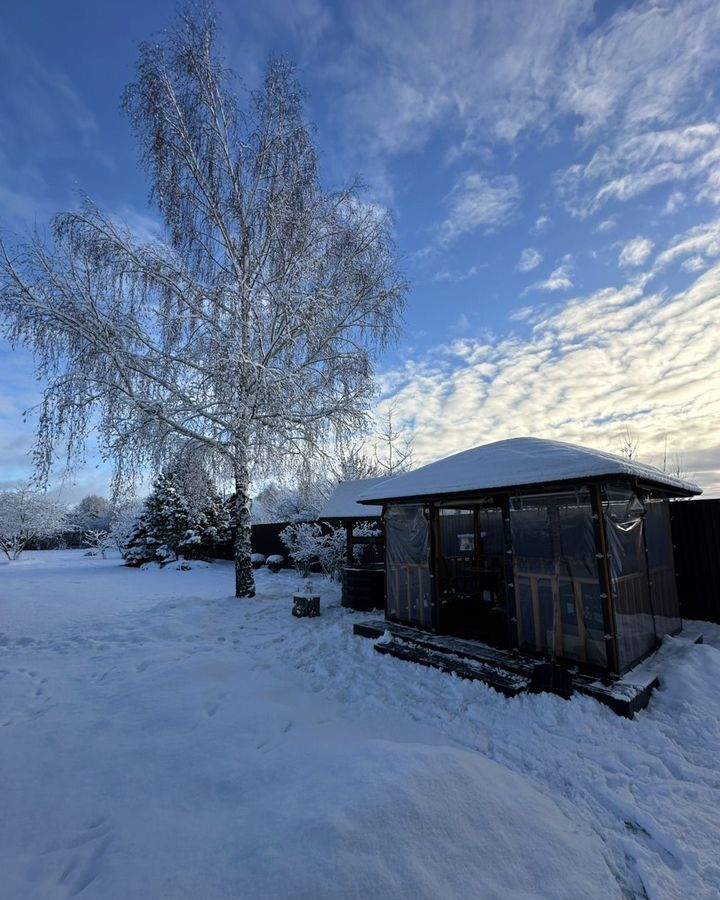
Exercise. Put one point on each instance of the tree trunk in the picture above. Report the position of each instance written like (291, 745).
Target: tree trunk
(244, 577)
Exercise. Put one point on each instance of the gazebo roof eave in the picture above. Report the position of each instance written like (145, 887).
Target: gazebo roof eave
(560, 484)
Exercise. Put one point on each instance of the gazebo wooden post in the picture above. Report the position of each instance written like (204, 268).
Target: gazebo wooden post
(433, 514)
(350, 547)
(510, 590)
(606, 595)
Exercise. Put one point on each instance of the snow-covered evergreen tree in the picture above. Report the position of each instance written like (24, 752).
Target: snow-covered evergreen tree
(183, 516)
(159, 529)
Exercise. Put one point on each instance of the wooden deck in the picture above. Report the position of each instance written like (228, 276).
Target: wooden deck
(508, 672)
(501, 680)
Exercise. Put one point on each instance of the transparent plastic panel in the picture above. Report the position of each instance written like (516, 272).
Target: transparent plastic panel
(457, 532)
(407, 559)
(634, 622)
(492, 531)
(557, 589)
(663, 589)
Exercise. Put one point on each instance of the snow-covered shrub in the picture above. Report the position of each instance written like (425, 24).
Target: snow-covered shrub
(366, 529)
(367, 553)
(303, 541)
(258, 560)
(96, 541)
(308, 545)
(333, 555)
(275, 562)
(26, 515)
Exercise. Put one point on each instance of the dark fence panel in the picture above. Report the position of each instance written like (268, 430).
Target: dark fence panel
(265, 539)
(696, 541)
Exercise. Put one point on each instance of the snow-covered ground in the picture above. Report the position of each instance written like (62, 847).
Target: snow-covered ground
(160, 739)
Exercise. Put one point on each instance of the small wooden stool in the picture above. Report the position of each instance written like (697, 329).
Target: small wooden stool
(305, 606)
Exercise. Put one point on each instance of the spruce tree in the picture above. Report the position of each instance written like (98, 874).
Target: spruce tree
(183, 516)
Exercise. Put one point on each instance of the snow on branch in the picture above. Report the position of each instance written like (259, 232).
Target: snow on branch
(308, 545)
(26, 514)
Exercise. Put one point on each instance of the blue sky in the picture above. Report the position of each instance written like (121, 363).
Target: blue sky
(553, 169)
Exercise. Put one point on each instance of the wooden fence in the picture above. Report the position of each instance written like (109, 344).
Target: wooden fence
(265, 539)
(696, 542)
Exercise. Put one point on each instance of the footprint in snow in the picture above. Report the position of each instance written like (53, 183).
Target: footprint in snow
(145, 665)
(212, 706)
(37, 703)
(87, 849)
(271, 742)
(655, 844)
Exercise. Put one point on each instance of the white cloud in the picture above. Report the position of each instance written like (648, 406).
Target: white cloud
(633, 165)
(640, 66)
(43, 115)
(693, 264)
(485, 70)
(635, 252)
(19, 391)
(700, 240)
(20, 208)
(560, 279)
(675, 201)
(307, 22)
(606, 225)
(614, 358)
(479, 72)
(455, 276)
(541, 224)
(524, 314)
(529, 259)
(477, 201)
(462, 324)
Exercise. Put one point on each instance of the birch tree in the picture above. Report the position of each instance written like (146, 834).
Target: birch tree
(251, 328)
(396, 447)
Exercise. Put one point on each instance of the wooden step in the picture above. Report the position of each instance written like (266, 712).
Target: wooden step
(509, 671)
(506, 683)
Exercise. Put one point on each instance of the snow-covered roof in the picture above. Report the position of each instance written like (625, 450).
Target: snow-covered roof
(513, 463)
(343, 500)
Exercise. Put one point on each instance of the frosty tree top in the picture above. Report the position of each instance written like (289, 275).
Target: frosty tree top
(251, 331)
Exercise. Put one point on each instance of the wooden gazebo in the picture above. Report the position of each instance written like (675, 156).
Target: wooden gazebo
(552, 549)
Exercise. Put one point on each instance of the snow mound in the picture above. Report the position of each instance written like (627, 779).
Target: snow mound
(399, 820)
